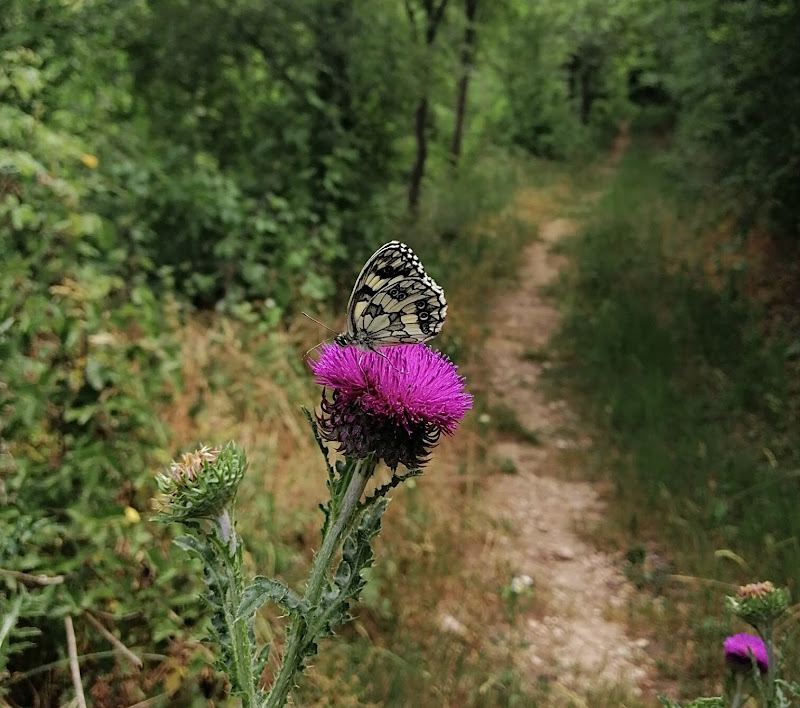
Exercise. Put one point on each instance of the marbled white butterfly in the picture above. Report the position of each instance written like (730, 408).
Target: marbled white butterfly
(393, 302)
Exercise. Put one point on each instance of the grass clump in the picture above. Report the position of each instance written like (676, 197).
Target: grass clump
(507, 423)
(693, 402)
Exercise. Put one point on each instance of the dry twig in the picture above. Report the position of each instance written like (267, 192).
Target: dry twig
(116, 643)
(29, 579)
(73, 663)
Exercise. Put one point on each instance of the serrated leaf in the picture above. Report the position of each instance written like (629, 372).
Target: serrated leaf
(344, 574)
(263, 590)
(193, 545)
(10, 619)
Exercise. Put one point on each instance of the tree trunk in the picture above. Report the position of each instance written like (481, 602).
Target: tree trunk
(467, 59)
(433, 17)
(418, 168)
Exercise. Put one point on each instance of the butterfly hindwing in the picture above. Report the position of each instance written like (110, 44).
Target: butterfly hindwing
(393, 301)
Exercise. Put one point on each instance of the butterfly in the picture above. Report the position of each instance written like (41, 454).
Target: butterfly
(393, 302)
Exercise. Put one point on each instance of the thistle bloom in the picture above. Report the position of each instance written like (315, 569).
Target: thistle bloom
(738, 651)
(394, 404)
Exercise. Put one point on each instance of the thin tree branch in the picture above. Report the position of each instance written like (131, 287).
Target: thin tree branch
(411, 18)
(33, 579)
(44, 668)
(75, 670)
(437, 15)
(135, 660)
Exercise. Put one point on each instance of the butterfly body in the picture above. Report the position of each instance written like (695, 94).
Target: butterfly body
(393, 302)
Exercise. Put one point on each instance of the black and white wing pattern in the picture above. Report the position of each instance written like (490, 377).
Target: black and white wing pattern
(393, 301)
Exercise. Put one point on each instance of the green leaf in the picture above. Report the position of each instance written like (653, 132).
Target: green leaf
(94, 373)
(10, 619)
(263, 590)
(193, 545)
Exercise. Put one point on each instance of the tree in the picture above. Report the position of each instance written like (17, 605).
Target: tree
(466, 59)
(433, 15)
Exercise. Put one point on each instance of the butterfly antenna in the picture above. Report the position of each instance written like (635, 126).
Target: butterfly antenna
(321, 324)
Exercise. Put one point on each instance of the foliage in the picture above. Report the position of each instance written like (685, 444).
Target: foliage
(85, 359)
(736, 72)
(566, 74)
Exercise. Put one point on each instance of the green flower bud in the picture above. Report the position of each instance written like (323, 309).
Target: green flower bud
(202, 483)
(759, 604)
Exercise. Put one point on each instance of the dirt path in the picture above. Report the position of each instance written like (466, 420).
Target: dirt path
(569, 636)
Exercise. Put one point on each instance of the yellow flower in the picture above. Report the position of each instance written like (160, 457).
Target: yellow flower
(131, 515)
(90, 161)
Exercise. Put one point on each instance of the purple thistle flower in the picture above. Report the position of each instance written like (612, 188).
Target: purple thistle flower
(394, 404)
(738, 650)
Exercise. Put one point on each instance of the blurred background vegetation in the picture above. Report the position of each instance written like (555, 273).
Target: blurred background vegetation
(179, 179)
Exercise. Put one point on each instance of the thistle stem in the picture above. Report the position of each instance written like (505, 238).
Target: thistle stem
(237, 628)
(737, 697)
(298, 635)
(771, 663)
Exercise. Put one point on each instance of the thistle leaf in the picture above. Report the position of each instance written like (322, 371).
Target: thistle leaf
(263, 590)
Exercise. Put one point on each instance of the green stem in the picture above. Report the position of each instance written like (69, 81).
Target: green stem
(771, 663)
(237, 628)
(737, 698)
(298, 635)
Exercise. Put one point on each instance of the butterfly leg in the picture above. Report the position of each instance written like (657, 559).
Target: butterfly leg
(361, 369)
(391, 363)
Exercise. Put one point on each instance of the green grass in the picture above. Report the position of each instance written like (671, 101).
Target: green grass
(693, 405)
(507, 423)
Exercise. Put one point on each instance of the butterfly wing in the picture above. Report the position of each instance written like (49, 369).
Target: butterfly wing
(394, 301)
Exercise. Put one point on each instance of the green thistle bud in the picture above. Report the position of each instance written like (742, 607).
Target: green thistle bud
(759, 604)
(202, 483)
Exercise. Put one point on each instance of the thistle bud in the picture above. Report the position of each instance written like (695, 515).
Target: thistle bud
(759, 604)
(201, 484)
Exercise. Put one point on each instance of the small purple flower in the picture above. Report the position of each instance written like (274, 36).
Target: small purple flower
(738, 650)
(394, 404)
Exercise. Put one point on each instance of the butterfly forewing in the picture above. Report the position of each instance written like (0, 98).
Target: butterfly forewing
(394, 301)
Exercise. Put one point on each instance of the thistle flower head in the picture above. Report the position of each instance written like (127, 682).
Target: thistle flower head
(201, 483)
(759, 604)
(394, 404)
(742, 649)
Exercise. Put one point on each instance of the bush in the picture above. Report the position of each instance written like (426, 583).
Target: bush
(86, 358)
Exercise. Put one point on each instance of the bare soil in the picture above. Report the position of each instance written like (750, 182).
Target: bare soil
(540, 512)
